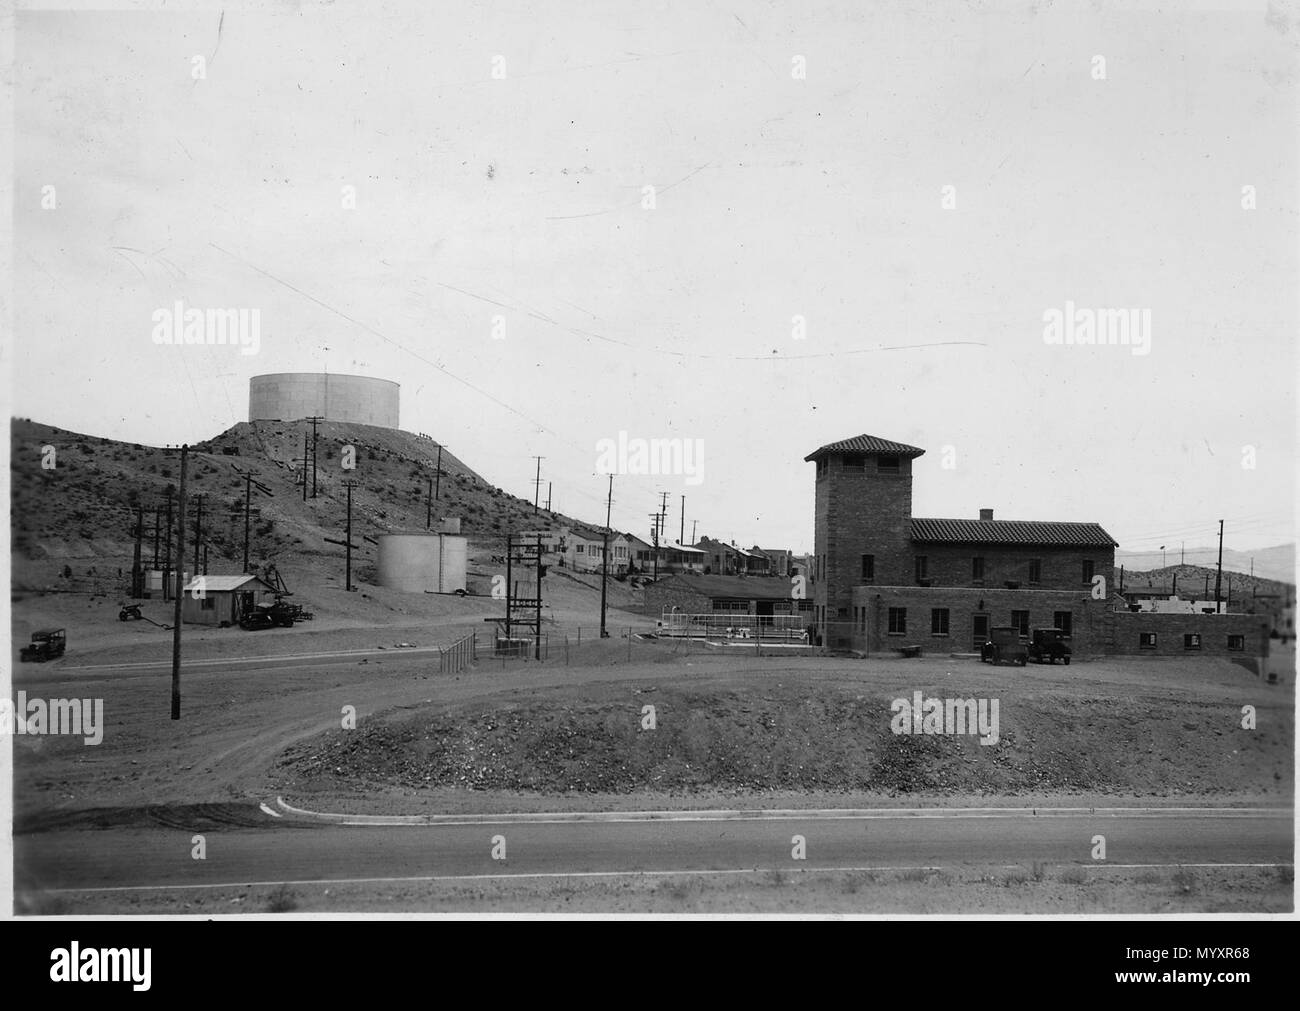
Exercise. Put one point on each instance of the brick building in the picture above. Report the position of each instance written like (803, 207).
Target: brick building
(884, 578)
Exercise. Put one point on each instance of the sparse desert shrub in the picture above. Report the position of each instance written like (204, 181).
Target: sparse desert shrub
(282, 900)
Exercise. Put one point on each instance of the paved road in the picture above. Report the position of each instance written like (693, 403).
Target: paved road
(298, 851)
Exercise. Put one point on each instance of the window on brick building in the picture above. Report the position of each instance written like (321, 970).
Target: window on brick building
(938, 621)
(922, 567)
(1064, 620)
(1146, 640)
(1087, 570)
(868, 566)
(1236, 643)
(898, 621)
(854, 461)
(1035, 570)
(1192, 640)
(977, 568)
(1021, 620)
(823, 465)
(888, 464)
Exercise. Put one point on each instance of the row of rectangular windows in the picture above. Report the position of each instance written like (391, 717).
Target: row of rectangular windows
(1192, 641)
(977, 569)
(939, 620)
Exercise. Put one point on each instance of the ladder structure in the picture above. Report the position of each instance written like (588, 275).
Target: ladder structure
(524, 572)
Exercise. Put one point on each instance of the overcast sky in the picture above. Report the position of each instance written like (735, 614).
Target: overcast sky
(775, 197)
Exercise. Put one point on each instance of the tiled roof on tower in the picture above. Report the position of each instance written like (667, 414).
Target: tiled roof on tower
(865, 444)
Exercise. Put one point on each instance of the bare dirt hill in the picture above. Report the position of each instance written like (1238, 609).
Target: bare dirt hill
(74, 495)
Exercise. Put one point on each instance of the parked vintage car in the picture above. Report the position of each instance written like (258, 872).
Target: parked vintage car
(47, 644)
(1048, 645)
(1004, 646)
(264, 617)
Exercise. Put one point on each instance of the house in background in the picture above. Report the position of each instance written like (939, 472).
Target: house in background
(737, 595)
(779, 560)
(222, 600)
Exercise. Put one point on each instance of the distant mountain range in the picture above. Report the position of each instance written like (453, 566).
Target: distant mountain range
(1276, 563)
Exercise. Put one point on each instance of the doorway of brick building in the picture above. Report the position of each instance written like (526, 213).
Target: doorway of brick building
(979, 630)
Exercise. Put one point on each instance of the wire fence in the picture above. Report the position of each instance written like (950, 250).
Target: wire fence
(459, 655)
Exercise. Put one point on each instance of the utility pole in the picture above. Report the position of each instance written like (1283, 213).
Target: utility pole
(681, 538)
(167, 545)
(313, 419)
(604, 571)
(437, 483)
(180, 589)
(510, 586)
(348, 535)
(537, 483)
(304, 466)
(198, 532)
(248, 505)
(1182, 553)
(155, 535)
(537, 636)
(654, 536)
(137, 575)
(694, 524)
(428, 512)
(1162, 556)
(1218, 575)
(549, 485)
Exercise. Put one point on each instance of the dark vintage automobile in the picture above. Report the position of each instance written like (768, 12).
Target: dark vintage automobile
(1004, 646)
(265, 617)
(47, 644)
(130, 612)
(1048, 645)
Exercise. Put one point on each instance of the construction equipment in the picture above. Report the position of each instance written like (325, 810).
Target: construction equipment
(130, 612)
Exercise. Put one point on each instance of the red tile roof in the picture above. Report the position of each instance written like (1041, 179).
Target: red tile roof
(866, 444)
(1030, 533)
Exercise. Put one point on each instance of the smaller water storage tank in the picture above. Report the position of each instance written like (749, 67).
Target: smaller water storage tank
(415, 563)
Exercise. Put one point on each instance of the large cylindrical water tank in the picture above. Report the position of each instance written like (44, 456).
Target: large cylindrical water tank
(415, 563)
(288, 396)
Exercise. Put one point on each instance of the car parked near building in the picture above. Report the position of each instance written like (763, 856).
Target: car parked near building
(1048, 645)
(1004, 646)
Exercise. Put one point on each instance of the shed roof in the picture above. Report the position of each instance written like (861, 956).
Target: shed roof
(1028, 533)
(224, 584)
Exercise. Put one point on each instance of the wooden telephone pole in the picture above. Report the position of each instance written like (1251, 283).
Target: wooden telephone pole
(248, 505)
(180, 588)
(314, 419)
(347, 537)
(604, 569)
(167, 545)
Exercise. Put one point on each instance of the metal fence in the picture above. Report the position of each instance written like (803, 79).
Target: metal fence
(459, 655)
(737, 628)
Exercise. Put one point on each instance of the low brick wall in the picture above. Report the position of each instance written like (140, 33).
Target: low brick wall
(1089, 619)
(1170, 630)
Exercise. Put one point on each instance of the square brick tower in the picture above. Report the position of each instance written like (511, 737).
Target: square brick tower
(863, 520)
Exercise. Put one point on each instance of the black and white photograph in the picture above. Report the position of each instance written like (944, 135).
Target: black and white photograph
(722, 460)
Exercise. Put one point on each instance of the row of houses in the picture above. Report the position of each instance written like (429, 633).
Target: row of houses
(582, 549)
